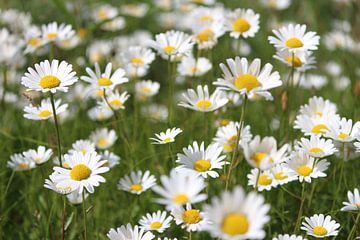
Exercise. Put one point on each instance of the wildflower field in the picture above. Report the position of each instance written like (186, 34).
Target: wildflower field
(180, 119)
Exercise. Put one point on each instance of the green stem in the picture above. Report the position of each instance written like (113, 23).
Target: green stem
(353, 230)
(56, 127)
(63, 218)
(190, 237)
(257, 180)
(297, 225)
(171, 91)
(4, 88)
(84, 212)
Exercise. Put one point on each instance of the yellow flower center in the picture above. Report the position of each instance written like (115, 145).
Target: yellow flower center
(343, 135)
(320, 114)
(294, 43)
(44, 114)
(99, 93)
(241, 25)
(136, 187)
(115, 102)
(23, 166)
(181, 198)
(295, 61)
(34, 41)
(235, 224)
(102, 14)
(102, 142)
(202, 165)
(264, 180)
(225, 122)
(84, 151)
(191, 216)
(167, 140)
(169, 49)
(80, 172)
(66, 165)
(137, 61)
(304, 170)
(146, 90)
(82, 33)
(52, 35)
(258, 157)
(320, 231)
(319, 129)
(155, 225)
(104, 81)
(247, 81)
(204, 104)
(280, 176)
(49, 81)
(205, 35)
(195, 70)
(206, 18)
(315, 150)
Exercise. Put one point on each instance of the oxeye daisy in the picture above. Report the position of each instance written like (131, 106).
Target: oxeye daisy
(311, 81)
(39, 156)
(33, 39)
(82, 146)
(128, 232)
(84, 172)
(100, 113)
(200, 160)
(236, 215)
(105, 80)
(157, 221)
(44, 110)
(116, 100)
(278, 5)
(103, 138)
(248, 78)
(354, 201)
(166, 137)
(191, 67)
(192, 219)
(104, 12)
(49, 77)
(262, 181)
(18, 162)
(301, 61)
(281, 174)
(314, 126)
(53, 32)
(320, 226)
(202, 100)
(137, 183)
(138, 56)
(343, 130)
(206, 35)
(316, 146)
(51, 184)
(226, 136)
(179, 189)
(76, 198)
(263, 153)
(242, 22)
(305, 167)
(288, 237)
(146, 89)
(111, 158)
(318, 107)
(294, 38)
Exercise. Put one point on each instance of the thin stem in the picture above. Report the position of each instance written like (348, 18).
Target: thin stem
(353, 230)
(84, 212)
(171, 91)
(63, 218)
(56, 127)
(297, 225)
(4, 88)
(235, 151)
(190, 237)
(257, 180)
(7, 188)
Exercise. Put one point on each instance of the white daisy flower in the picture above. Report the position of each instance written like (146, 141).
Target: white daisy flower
(39, 156)
(305, 167)
(226, 136)
(157, 221)
(191, 67)
(338, 40)
(105, 80)
(44, 110)
(103, 138)
(155, 112)
(311, 81)
(138, 56)
(206, 35)
(314, 126)
(354, 201)
(242, 22)
(316, 147)
(18, 162)
(114, 24)
(301, 61)
(138, 10)
(278, 5)
(236, 215)
(166, 137)
(100, 113)
(76, 198)
(281, 174)
(51, 184)
(201, 161)
(202, 101)
(53, 32)
(263, 180)
(33, 39)
(318, 107)
(137, 183)
(146, 88)
(98, 51)
(179, 189)
(104, 12)
(49, 77)
(343, 130)
(263, 153)
(294, 38)
(115, 99)
(320, 226)
(111, 158)
(192, 219)
(82, 146)
(69, 43)
(247, 78)
(288, 237)
(84, 172)
(128, 232)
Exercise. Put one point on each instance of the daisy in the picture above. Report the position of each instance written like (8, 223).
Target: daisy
(247, 78)
(338, 40)
(33, 39)
(288, 237)
(137, 183)
(242, 22)
(105, 80)
(76, 198)
(84, 172)
(39, 156)
(305, 167)
(320, 226)
(314, 126)
(49, 77)
(226, 136)
(155, 112)
(263, 153)
(206, 35)
(103, 138)
(236, 215)
(278, 5)
(281, 174)
(82, 146)
(100, 113)
(53, 32)
(318, 107)
(179, 189)
(51, 184)
(104, 12)
(262, 181)
(343, 130)
(18, 162)
(294, 38)
(202, 101)
(128, 232)
(191, 67)
(138, 56)
(44, 111)
(98, 51)
(114, 24)
(111, 158)
(157, 221)
(311, 81)
(201, 161)
(316, 147)
(115, 99)
(146, 88)
(354, 201)
(138, 10)
(166, 137)
(301, 61)
(192, 219)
